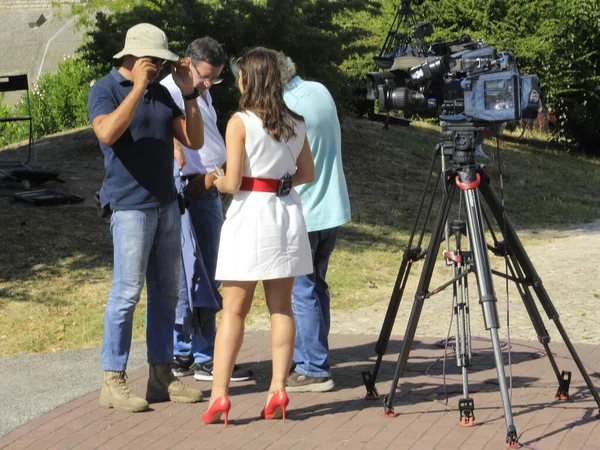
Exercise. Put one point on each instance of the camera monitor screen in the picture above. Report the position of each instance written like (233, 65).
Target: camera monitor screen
(492, 97)
(499, 94)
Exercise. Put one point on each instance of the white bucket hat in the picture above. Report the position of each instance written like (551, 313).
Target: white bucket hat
(145, 39)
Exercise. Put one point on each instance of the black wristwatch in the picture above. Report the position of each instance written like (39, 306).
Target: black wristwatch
(194, 95)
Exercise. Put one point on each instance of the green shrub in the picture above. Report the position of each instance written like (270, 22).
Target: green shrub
(58, 103)
(334, 41)
(11, 131)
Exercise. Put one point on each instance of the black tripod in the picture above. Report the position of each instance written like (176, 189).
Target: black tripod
(471, 179)
(397, 43)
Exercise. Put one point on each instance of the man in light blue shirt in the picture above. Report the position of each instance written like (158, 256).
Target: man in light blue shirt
(326, 207)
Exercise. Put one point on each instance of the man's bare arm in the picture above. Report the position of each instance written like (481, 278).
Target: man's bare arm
(178, 154)
(188, 130)
(110, 127)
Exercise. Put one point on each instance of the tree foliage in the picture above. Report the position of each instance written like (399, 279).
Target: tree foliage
(559, 41)
(58, 102)
(314, 33)
(334, 41)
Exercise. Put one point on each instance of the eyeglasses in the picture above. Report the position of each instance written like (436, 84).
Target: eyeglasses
(213, 80)
(156, 61)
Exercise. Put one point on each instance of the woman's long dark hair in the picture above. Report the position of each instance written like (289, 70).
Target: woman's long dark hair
(263, 92)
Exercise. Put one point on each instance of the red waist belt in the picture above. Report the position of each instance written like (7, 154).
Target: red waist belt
(259, 184)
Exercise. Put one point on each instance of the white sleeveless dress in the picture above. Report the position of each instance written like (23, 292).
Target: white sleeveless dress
(264, 236)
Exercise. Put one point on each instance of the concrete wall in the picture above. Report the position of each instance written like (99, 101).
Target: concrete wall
(29, 4)
(34, 49)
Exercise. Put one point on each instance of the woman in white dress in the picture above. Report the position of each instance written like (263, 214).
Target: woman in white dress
(264, 236)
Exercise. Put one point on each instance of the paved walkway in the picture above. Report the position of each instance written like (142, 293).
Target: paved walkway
(342, 418)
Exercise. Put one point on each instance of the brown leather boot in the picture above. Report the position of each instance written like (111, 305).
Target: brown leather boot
(116, 394)
(164, 386)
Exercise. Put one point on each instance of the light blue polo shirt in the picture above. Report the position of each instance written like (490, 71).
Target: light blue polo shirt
(324, 201)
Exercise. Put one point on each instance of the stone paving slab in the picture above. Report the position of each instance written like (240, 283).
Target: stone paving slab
(343, 418)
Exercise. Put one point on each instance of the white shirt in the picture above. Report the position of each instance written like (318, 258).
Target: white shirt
(213, 153)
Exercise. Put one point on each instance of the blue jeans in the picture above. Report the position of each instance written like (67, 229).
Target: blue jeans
(310, 302)
(206, 212)
(147, 243)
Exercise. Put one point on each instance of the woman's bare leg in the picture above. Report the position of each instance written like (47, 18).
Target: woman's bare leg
(237, 299)
(283, 332)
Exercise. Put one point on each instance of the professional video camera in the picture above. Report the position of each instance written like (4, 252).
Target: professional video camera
(463, 78)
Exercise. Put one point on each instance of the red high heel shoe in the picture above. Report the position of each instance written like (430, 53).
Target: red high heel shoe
(275, 409)
(221, 405)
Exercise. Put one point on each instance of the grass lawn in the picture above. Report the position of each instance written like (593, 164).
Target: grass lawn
(55, 263)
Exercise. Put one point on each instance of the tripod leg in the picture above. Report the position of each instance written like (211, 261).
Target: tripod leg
(388, 323)
(466, 405)
(460, 305)
(410, 255)
(536, 318)
(422, 290)
(516, 248)
(522, 285)
(487, 297)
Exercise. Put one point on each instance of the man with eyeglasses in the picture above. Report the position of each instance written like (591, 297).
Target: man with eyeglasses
(135, 121)
(195, 172)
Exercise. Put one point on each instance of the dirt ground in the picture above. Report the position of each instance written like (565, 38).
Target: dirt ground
(74, 155)
(568, 263)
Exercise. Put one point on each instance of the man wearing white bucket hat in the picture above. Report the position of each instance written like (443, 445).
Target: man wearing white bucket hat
(135, 121)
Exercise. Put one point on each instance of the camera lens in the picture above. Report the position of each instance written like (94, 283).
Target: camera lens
(432, 68)
(404, 98)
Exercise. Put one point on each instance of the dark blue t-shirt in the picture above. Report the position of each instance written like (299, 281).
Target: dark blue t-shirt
(139, 165)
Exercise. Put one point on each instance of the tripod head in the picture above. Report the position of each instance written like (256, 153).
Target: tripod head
(459, 140)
